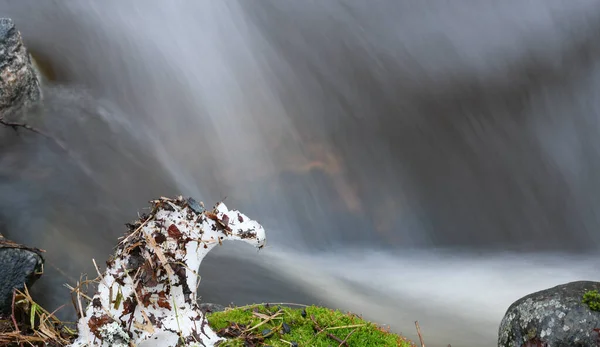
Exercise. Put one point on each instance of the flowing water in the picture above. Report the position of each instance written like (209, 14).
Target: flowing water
(424, 161)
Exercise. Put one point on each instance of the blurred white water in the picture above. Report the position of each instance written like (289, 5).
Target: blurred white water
(457, 299)
(381, 146)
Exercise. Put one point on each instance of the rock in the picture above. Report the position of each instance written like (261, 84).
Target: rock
(19, 266)
(555, 317)
(210, 308)
(19, 82)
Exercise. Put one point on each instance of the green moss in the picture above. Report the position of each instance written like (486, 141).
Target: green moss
(266, 325)
(592, 299)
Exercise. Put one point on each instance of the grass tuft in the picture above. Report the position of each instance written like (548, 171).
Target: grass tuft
(284, 326)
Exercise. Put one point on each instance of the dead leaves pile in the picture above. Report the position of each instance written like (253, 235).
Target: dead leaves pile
(31, 325)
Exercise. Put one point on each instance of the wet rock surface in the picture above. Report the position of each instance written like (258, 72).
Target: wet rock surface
(19, 84)
(555, 317)
(207, 307)
(19, 266)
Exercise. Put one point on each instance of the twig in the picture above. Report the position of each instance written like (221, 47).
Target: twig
(51, 314)
(13, 311)
(100, 277)
(347, 337)
(331, 336)
(159, 253)
(16, 125)
(79, 295)
(419, 333)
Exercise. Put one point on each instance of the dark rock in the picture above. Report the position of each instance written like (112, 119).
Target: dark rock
(210, 308)
(19, 83)
(195, 205)
(19, 266)
(555, 317)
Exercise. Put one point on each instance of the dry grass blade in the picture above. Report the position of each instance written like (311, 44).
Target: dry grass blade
(12, 315)
(346, 326)
(79, 305)
(79, 293)
(266, 319)
(268, 304)
(261, 315)
(419, 333)
(161, 256)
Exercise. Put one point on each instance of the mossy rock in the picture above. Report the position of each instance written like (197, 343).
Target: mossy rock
(592, 299)
(561, 316)
(283, 326)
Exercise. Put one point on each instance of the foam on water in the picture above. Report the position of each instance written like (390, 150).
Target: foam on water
(458, 299)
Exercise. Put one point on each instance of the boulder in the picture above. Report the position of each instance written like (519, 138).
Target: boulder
(19, 82)
(555, 317)
(19, 266)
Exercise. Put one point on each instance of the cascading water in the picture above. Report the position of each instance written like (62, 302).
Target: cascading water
(429, 161)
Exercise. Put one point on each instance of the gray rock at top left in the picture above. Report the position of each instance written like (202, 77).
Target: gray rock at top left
(19, 82)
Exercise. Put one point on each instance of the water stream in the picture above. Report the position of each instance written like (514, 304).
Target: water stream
(430, 161)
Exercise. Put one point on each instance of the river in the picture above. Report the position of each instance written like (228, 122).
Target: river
(410, 160)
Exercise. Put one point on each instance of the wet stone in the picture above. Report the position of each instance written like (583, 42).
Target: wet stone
(555, 317)
(19, 266)
(195, 205)
(211, 308)
(19, 82)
